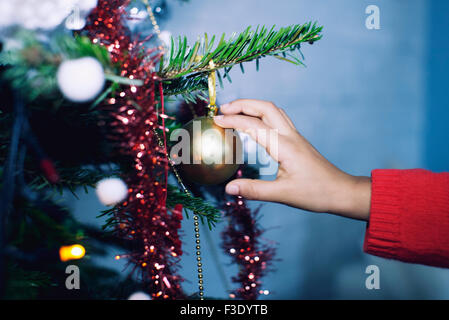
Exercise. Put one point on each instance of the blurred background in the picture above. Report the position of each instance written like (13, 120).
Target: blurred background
(367, 99)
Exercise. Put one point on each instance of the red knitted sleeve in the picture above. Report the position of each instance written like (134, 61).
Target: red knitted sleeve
(409, 216)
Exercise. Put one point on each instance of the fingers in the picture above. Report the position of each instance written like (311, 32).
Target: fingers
(258, 130)
(266, 111)
(252, 189)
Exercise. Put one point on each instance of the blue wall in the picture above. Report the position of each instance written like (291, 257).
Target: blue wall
(437, 134)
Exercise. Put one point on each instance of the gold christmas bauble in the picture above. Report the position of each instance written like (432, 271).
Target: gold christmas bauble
(215, 152)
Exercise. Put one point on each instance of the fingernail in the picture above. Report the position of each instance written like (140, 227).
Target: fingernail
(224, 106)
(218, 118)
(232, 189)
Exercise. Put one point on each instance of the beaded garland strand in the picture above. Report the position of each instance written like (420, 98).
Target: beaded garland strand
(162, 144)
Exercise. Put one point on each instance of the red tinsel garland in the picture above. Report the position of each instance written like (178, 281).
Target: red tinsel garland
(241, 240)
(143, 217)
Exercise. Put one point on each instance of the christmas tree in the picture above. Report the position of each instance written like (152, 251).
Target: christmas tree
(83, 105)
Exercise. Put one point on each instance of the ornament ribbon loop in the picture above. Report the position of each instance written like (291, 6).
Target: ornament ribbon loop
(212, 83)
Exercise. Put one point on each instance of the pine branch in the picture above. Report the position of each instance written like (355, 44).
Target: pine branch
(199, 205)
(71, 179)
(190, 89)
(206, 211)
(31, 68)
(25, 284)
(249, 45)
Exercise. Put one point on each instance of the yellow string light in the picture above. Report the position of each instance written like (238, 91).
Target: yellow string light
(73, 252)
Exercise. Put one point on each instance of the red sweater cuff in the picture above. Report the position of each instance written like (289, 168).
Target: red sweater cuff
(409, 216)
(383, 232)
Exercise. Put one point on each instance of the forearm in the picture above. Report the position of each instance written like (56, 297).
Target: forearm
(352, 198)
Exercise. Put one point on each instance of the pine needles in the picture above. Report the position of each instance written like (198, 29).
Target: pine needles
(198, 205)
(249, 45)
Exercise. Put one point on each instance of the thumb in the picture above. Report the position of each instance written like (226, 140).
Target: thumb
(252, 189)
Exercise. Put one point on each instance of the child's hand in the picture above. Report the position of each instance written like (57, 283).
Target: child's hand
(305, 179)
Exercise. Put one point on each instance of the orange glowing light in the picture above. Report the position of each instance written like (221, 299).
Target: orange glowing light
(73, 252)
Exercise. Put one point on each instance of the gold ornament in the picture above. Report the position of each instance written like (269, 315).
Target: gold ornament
(215, 153)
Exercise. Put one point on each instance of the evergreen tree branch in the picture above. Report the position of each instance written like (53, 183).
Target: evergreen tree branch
(70, 179)
(200, 206)
(207, 212)
(249, 45)
(190, 89)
